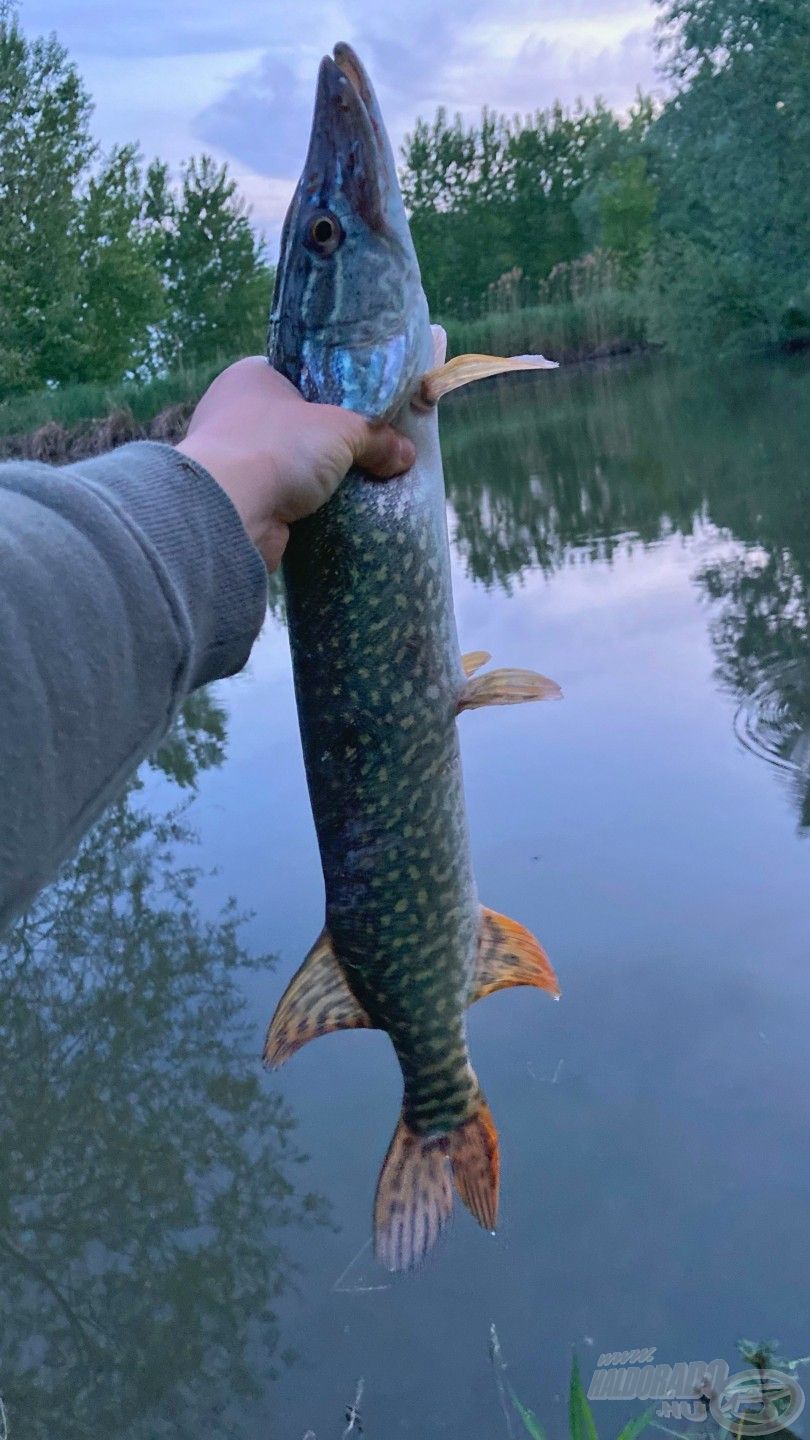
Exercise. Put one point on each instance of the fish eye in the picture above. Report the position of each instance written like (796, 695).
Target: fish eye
(324, 232)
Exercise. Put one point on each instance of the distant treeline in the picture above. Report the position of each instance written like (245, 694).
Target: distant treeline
(686, 223)
(700, 208)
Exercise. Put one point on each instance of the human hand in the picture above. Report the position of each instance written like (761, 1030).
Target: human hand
(279, 457)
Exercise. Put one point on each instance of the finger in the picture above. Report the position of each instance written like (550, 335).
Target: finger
(381, 450)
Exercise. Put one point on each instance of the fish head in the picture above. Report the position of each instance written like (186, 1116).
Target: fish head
(349, 322)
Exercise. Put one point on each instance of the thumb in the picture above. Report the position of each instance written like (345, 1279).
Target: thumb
(380, 449)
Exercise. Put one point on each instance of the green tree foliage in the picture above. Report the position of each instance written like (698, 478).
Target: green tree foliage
(732, 259)
(522, 194)
(700, 213)
(217, 281)
(704, 207)
(107, 271)
(45, 151)
(121, 294)
(626, 211)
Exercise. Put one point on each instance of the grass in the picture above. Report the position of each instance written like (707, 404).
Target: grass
(71, 405)
(604, 322)
(581, 1424)
(600, 323)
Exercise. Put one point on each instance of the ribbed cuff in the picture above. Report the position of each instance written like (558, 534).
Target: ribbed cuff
(193, 532)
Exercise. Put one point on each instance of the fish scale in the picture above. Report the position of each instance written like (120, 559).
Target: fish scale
(384, 770)
(380, 681)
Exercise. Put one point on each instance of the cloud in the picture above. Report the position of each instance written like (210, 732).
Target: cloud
(465, 55)
(262, 119)
(238, 78)
(152, 27)
(542, 72)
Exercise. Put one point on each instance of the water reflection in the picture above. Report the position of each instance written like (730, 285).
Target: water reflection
(627, 456)
(148, 1172)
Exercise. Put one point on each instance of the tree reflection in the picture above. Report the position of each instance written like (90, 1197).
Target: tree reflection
(539, 480)
(147, 1172)
(620, 457)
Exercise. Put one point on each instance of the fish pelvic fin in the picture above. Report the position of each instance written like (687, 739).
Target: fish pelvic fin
(475, 1158)
(414, 1200)
(464, 369)
(506, 687)
(316, 1002)
(508, 954)
(473, 661)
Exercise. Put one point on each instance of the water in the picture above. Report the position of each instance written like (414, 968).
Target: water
(642, 535)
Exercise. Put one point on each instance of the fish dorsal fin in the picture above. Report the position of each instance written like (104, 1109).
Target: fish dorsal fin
(316, 1002)
(473, 661)
(506, 687)
(464, 369)
(508, 954)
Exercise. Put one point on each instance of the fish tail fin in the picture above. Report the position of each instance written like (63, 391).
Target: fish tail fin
(476, 1162)
(414, 1198)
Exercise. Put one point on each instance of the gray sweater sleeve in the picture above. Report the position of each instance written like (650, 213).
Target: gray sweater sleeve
(125, 582)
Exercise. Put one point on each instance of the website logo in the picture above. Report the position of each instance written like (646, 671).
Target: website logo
(758, 1402)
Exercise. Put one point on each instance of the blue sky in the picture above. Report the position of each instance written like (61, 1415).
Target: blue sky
(236, 77)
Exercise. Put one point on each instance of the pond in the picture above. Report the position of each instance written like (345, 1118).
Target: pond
(184, 1241)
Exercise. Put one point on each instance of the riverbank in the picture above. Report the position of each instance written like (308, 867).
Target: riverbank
(81, 410)
(76, 421)
(604, 323)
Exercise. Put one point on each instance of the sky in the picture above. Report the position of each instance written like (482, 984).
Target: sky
(236, 77)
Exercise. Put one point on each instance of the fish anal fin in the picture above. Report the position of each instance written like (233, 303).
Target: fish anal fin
(473, 661)
(316, 1002)
(507, 687)
(464, 369)
(508, 954)
(475, 1158)
(414, 1199)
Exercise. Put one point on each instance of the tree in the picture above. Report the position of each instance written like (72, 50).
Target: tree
(104, 271)
(217, 281)
(522, 194)
(734, 167)
(700, 35)
(45, 149)
(121, 292)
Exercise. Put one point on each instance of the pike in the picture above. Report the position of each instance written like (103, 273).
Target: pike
(380, 681)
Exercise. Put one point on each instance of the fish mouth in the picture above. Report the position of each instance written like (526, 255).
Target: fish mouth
(346, 152)
(350, 65)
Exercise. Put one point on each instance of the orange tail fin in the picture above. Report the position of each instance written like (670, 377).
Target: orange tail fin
(476, 1161)
(414, 1198)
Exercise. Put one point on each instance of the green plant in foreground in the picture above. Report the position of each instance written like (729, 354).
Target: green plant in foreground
(581, 1424)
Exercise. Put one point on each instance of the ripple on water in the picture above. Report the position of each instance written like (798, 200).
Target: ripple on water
(773, 722)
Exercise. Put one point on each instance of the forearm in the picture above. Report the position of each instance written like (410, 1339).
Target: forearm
(125, 582)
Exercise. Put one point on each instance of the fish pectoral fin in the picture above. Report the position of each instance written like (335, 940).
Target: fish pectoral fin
(473, 661)
(316, 1002)
(464, 369)
(414, 1199)
(508, 954)
(507, 687)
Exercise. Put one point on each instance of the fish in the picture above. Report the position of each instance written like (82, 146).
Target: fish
(380, 682)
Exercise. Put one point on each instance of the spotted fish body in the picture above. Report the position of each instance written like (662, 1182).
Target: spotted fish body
(379, 682)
